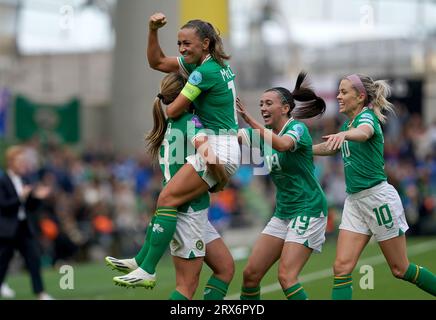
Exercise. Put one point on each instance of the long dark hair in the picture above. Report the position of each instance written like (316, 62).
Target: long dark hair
(310, 104)
(205, 30)
(170, 87)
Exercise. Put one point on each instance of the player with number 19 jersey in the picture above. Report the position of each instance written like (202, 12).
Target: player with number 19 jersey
(298, 190)
(363, 162)
(211, 88)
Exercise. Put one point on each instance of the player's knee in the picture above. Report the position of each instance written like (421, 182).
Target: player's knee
(286, 277)
(225, 269)
(286, 280)
(228, 271)
(251, 275)
(398, 271)
(342, 267)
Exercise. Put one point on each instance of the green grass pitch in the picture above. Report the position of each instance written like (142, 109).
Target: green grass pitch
(93, 281)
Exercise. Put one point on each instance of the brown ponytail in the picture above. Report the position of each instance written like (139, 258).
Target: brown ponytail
(310, 105)
(170, 87)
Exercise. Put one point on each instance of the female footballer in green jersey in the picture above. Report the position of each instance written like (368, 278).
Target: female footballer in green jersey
(300, 217)
(373, 206)
(211, 89)
(195, 239)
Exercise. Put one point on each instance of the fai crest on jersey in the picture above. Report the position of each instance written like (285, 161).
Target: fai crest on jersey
(197, 122)
(195, 78)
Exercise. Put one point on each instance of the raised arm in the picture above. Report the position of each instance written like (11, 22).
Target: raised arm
(156, 57)
(279, 143)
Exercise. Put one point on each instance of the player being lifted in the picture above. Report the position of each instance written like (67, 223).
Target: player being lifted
(195, 239)
(211, 89)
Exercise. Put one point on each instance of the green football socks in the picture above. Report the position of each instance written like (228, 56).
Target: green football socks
(176, 295)
(250, 293)
(144, 250)
(342, 287)
(422, 277)
(215, 289)
(295, 292)
(162, 232)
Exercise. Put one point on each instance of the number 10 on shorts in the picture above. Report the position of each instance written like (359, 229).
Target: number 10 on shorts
(384, 216)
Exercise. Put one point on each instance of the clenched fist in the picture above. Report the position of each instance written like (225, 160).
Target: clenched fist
(157, 20)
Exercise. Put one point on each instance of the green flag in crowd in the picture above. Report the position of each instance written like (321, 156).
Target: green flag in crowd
(59, 122)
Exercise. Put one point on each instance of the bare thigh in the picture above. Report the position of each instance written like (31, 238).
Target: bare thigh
(265, 253)
(187, 275)
(395, 252)
(348, 250)
(294, 257)
(185, 186)
(220, 260)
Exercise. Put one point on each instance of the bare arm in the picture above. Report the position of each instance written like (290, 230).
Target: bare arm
(178, 107)
(156, 58)
(322, 150)
(359, 134)
(279, 143)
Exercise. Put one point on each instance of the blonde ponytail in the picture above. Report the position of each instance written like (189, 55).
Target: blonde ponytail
(380, 104)
(377, 93)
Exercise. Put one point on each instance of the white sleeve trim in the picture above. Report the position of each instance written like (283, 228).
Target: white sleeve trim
(295, 134)
(366, 121)
(295, 141)
(366, 124)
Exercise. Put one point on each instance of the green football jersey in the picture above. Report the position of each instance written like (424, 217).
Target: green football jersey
(363, 161)
(211, 88)
(298, 190)
(175, 147)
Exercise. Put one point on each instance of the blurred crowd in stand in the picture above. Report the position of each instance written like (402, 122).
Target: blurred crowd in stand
(103, 200)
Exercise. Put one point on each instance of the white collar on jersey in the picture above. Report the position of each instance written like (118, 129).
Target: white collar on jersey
(351, 123)
(287, 122)
(206, 58)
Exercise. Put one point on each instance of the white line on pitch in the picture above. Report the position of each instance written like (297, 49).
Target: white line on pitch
(375, 260)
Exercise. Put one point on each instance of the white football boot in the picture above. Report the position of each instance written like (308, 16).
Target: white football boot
(123, 265)
(136, 278)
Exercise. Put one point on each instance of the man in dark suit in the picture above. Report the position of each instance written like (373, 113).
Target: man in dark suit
(18, 201)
